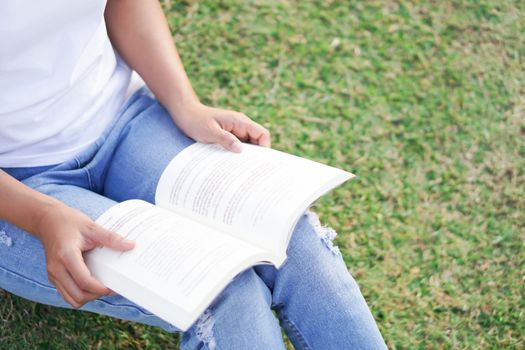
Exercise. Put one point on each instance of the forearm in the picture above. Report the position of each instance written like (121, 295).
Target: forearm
(22, 206)
(65, 233)
(140, 33)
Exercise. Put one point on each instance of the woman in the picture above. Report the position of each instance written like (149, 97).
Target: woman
(76, 137)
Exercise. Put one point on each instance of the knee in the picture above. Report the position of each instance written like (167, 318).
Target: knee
(314, 261)
(245, 291)
(243, 307)
(312, 241)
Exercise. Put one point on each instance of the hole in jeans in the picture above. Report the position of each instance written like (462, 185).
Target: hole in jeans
(204, 329)
(325, 233)
(5, 239)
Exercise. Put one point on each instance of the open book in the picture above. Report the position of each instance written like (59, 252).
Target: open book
(216, 214)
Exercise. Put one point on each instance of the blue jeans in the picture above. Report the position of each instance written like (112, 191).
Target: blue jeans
(317, 302)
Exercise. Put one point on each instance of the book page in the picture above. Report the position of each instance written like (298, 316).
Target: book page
(175, 259)
(256, 195)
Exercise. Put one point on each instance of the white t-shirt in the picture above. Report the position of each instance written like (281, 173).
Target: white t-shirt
(61, 82)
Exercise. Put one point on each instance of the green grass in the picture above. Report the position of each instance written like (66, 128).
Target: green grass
(425, 102)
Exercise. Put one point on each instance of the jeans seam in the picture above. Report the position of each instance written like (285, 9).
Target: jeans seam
(124, 305)
(89, 178)
(8, 271)
(49, 287)
(295, 330)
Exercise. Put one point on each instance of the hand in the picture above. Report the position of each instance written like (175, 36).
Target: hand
(66, 233)
(225, 127)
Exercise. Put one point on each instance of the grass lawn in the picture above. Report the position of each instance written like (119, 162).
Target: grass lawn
(425, 102)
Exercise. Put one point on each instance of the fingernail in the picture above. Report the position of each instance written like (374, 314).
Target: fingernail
(130, 243)
(236, 146)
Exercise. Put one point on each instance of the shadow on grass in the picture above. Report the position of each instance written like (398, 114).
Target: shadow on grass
(28, 325)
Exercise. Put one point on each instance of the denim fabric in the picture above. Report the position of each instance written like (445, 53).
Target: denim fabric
(316, 300)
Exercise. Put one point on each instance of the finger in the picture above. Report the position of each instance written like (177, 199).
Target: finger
(248, 130)
(112, 240)
(65, 295)
(259, 135)
(79, 296)
(70, 291)
(82, 276)
(228, 141)
(61, 290)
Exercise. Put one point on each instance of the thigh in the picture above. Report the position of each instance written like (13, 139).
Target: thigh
(23, 266)
(239, 318)
(318, 302)
(145, 147)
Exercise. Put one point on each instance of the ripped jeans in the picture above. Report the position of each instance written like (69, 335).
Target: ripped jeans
(317, 302)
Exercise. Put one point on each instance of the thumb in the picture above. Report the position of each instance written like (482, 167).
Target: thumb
(229, 141)
(112, 240)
